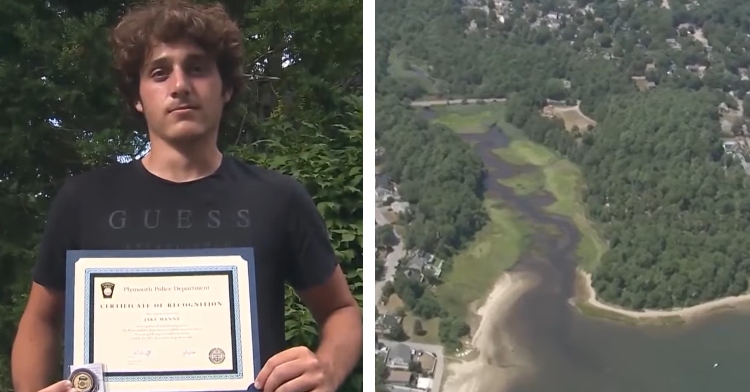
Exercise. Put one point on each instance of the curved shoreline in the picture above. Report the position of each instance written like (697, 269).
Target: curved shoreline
(486, 371)
(687, 314)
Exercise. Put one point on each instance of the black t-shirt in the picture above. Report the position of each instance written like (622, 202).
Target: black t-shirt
(240, 205)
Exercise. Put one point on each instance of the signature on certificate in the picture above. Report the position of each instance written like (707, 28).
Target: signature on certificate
(188, 353)
(141, 353)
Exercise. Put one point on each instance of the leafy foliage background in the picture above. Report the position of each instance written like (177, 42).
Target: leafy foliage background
(300, 114)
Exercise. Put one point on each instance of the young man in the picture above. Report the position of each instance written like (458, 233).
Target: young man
(180, 64)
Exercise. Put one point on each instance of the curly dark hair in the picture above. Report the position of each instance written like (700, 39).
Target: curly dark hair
(169, 21)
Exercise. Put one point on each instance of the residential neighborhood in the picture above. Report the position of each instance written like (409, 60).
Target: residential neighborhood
(410, 366)
(737, 150)
(418, 265)
(415, 264)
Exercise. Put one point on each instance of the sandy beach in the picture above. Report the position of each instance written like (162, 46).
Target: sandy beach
(500, 362)
(687, 314)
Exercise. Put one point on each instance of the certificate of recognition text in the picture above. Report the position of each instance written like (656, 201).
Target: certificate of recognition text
(167, 323)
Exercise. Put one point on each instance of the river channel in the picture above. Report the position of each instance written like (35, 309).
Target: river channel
(573, 353)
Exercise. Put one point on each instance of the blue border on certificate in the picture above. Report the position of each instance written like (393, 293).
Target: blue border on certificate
(230, 272)
(246, 254)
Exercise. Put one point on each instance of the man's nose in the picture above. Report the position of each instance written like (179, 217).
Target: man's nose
(180, 83)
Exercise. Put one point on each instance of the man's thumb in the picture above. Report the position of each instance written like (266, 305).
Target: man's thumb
(61, 386)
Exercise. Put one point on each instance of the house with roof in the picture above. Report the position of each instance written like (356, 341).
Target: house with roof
(383, 180)
(673, 43)
(553, 20)
(427, 361)
(401, 378)
(399, 357)
(405, 376)
(424, 383)
(385, 189)
(416, 264)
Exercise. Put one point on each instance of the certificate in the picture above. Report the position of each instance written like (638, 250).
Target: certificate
(165, 320)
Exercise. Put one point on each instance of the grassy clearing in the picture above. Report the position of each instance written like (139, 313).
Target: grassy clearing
(476, 269)
(470, 118)
(432, 326)
(524, 152)
(526, 183)
(564, 180)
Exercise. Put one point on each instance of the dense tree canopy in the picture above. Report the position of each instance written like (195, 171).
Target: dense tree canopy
(437, 174)
(676, 215)
(440, 176)
(671, 203)
(61, 115)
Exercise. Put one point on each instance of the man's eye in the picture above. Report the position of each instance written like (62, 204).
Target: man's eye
(158, 74)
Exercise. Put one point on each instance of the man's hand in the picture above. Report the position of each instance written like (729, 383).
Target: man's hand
(60, 386)
(295, 370)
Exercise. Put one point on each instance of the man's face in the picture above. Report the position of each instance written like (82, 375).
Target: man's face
(181, 93)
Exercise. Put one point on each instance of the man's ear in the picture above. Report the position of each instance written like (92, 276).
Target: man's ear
(227, 94)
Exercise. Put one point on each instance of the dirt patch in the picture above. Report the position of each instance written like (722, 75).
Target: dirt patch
(394, 304)
(390, 216)
(728, 120)
(698, 36)
(641, 83)
(573, 117)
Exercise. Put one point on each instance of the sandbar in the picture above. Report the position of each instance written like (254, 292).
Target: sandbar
(500, 362)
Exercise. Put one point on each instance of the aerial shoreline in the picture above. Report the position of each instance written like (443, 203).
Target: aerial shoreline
(486, 370)
(589, 297)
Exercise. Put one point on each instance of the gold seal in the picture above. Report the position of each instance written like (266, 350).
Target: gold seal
(216, 356)
(84, 380)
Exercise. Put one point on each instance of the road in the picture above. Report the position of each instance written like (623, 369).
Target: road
(423, 104)
(391, 260)
(432, 348)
